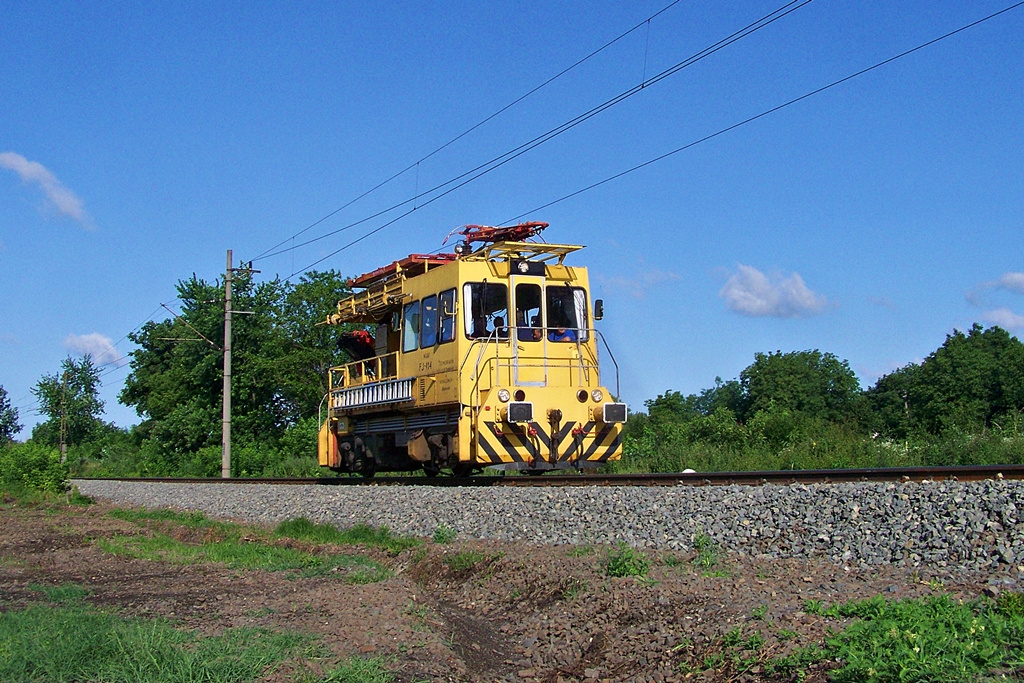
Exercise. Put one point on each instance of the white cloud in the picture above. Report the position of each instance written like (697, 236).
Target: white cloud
(1010, 282)
(96, 345)
(1005, 318)
(638, 286)
(751, 292)
(63, 199)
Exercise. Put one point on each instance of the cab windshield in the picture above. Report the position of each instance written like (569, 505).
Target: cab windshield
(567, 314)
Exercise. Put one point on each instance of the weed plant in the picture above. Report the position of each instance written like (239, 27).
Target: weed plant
(444, 534)
(929, 639)
(626, 561)
(465, 560)
(707, 555)
(573, 588)
(581, 550)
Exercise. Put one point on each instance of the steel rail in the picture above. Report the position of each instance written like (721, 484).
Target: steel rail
(778, 477)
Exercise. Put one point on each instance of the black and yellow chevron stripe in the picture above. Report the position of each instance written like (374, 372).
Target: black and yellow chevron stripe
(500, 442)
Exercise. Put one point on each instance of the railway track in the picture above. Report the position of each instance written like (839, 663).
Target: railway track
(780, 477)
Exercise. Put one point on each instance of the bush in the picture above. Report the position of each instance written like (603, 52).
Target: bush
(33, 466)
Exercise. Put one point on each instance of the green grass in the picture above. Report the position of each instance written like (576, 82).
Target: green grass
(444, 534)
(234, 546)
(240, 554)
(77, 643)
(361, 534)
(360, 670)
(66, 593)
(16, 494)
(465, 560)
(625, 561)
(930, 639)
(934, 639)
(191, 520)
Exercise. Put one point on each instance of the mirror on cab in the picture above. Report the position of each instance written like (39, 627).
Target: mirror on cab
(598, 309)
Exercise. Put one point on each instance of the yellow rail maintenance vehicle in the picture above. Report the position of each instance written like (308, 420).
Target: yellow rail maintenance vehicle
(486, 357)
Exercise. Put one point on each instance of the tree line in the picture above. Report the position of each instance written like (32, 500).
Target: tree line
(804, 409)
(280, 359)
(964, 404)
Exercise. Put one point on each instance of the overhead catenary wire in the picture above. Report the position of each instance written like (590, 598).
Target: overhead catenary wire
(703, 139)
(502, 159)
(472, 128)
(499, 161)
(764, 113)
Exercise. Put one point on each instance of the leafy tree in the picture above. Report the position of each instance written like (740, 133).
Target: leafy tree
(973, 381)
(813, 383)
(889, 402)
(306, 350)
(727, 395)
(8, 418)
(280, 359)
(72, 397)
(176, 373)
(672, 406)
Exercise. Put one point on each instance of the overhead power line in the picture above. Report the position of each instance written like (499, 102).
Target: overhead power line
(765, 113)
(483, 169)
(472, 128)
(703, 139)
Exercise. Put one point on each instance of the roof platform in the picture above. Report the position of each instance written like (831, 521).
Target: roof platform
(410, 266)
(383, 289)
(529, 251)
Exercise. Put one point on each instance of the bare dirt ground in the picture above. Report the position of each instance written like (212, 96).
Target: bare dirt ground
(519, 612)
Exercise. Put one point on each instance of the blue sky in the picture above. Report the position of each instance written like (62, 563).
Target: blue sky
(139, 142)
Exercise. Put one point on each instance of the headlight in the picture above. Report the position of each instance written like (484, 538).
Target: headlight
(597, 395)
(503, 395)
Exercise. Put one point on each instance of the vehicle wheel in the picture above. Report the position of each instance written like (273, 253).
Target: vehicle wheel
(431, 470)
(535, 473)
(462, 470)
(369, 464)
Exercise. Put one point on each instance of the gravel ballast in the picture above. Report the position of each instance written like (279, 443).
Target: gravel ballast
(967, 525)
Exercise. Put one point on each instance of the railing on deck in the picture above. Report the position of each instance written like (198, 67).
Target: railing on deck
(375, 381)
(369, 382)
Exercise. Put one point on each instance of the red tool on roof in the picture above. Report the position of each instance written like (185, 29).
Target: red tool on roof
(511, 233)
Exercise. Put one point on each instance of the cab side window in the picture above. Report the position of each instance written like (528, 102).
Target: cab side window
(428, 327)
(446, 316)
(410, 326)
